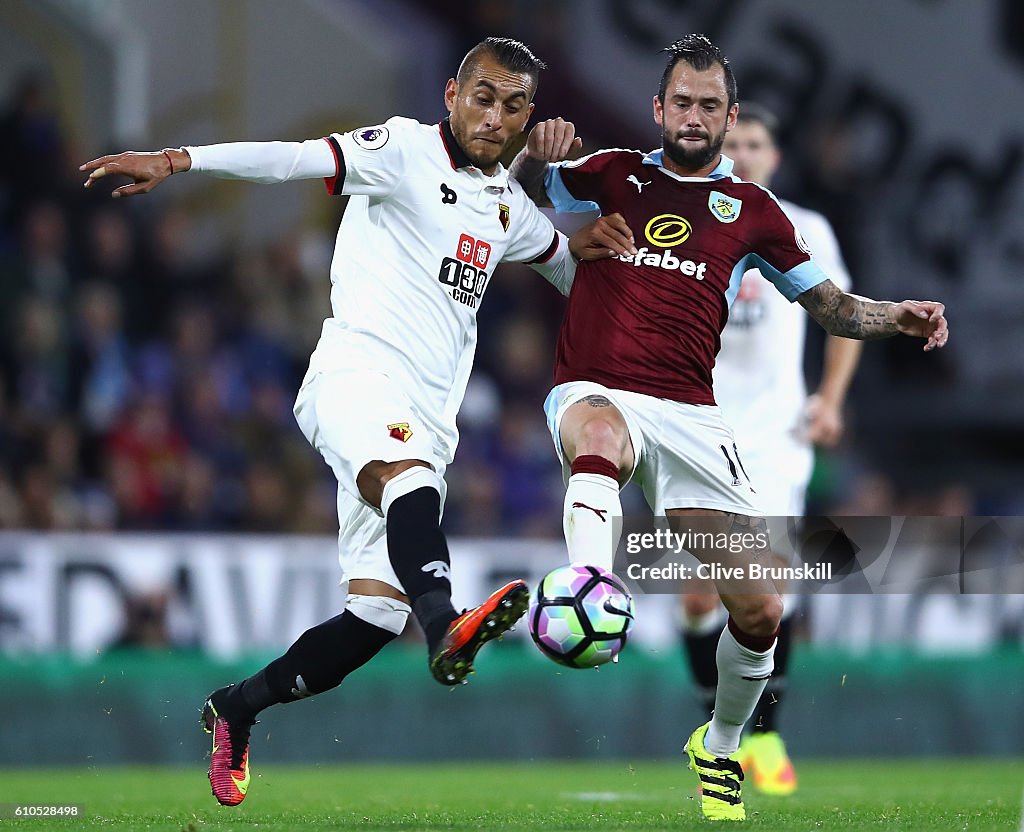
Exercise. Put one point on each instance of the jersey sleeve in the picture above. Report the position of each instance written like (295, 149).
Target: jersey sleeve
(370, 161)
(536, 240)
(559, 269)
(538, 244)
(578, 186)
(266, 162)
(781, 254)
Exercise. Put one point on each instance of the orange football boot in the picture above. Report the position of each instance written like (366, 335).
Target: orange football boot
(452, 662)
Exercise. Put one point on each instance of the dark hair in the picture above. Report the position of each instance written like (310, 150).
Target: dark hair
(752, 111)
(701, 54)
(513, 55)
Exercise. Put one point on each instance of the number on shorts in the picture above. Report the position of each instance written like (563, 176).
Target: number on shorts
(732, 465)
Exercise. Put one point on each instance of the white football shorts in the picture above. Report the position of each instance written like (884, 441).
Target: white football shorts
(686, 455)
(353, 417)
(780, 468)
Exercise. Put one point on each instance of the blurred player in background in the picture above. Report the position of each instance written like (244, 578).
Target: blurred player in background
(759, 385)
(633, 374)
(432, 213)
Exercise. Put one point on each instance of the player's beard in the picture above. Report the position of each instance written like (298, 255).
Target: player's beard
(486, 159)
(696, 158)
(482, 156)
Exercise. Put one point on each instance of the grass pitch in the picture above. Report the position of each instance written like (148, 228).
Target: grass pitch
(972, 795)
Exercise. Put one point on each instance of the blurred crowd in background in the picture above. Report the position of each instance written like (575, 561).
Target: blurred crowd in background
(146, 381)
(145, 384)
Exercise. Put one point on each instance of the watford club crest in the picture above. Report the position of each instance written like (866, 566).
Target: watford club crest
(503, 216)
(400, 431)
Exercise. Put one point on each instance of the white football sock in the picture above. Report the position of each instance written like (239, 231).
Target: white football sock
(592, 519)
(742, 676)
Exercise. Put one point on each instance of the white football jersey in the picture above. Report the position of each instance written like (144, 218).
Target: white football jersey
(419, 242)
(758, 375)
(421, 236)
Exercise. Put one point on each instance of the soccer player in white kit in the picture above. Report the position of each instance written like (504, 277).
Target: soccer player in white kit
(759, 385)
(432, 212)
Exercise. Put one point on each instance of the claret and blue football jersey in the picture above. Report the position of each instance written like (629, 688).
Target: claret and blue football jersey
(651, 323)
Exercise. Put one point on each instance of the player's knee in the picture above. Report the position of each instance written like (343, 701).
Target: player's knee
(388, 614)
(760, 616)
(375, 477)
(772, 614)
(604, 438)
(406, 481)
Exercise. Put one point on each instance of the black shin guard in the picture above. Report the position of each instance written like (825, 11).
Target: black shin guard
(765, 714)
(318, 661)
(419, 555)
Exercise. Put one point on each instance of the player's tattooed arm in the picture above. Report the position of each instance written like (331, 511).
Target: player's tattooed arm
(851, 316)
(529, 172)
(597, 401)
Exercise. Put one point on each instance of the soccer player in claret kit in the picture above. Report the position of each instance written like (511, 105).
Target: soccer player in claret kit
(633, 376)
(432, 213)
(759, 384)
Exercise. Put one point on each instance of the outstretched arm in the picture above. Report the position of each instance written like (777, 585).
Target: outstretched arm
(146, 170)
(863, 319)
(549, 141)
(252, 161)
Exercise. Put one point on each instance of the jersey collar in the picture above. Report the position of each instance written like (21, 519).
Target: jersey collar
(722, 171)
(456, 155)
(498, 182)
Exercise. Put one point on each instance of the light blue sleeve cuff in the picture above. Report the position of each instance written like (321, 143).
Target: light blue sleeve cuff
(796, 281)
(563, 201)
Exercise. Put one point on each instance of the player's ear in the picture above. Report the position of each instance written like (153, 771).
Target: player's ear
(529, 112)
(451, 90)
(659, 113)
(730, 120)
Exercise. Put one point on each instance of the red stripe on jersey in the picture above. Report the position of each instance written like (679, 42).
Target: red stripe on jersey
(335, 183)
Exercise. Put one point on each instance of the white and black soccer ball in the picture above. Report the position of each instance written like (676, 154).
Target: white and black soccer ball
(580, 615)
